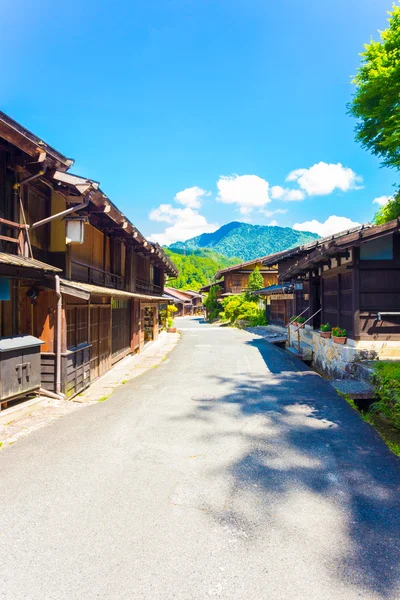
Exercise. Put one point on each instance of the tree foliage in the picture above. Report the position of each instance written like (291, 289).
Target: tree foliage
(246, 241)
(376, 101)
(256, 282)
(198, 268)
(211, 303)
(388, 212)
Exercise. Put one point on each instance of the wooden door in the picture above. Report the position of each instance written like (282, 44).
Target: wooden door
(141, 327)
(135, 325)
(100, 338)
(121, 329)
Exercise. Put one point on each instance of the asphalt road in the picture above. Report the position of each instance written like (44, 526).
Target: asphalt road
(230, 471)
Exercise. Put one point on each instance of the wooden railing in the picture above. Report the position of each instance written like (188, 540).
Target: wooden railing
(145, 287)
(89, 274)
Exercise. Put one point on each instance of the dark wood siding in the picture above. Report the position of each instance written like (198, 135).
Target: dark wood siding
(75, 371)
(100, 340)
(337, 300)
(302, 297)
(379, 292)
(281, 310)
(121, 329)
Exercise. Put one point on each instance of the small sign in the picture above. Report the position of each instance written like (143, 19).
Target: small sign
(5, 289)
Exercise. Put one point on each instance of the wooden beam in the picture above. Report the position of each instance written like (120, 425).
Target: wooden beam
(9, 239)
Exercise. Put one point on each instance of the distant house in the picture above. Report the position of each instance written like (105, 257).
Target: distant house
(187, 302)
(235, 280)
(350, 280)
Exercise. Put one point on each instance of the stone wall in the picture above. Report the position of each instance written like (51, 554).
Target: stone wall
(336, 360)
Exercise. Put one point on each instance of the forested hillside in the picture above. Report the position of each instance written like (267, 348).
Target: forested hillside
(198, 267)
(247, 241)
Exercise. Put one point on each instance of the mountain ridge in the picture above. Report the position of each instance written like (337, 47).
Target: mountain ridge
(246, 241)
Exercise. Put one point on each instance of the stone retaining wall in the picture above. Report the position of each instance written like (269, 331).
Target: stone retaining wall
(340, 361)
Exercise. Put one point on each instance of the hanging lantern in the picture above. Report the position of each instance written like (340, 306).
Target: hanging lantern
(75, 230)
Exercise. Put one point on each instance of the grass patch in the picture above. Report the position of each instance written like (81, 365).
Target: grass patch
(386, 379)
(104, 398)
(389, 434)
(124, 381)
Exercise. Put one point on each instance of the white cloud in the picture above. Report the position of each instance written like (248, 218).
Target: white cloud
(285, 194)
(322, 179)
(273, 222)
(278, 211)
(277, 192)
(185, 223)
(382, 200)
(247, 191)
(191, 197)
(333, 224)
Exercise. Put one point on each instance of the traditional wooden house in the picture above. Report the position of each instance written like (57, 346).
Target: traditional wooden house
(184, 301)
(74, 271)
(350, 280)
(234, 280)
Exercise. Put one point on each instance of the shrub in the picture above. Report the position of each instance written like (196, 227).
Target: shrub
(300, 320)
(339, 332)
(237, 308)
(232, 306)
(326, 327)
(386, 379)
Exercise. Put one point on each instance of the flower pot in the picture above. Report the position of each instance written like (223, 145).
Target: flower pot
(325, 334)
(171, 330)
(339, 340)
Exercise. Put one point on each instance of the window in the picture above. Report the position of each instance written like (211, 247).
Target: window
(379, 249)
(77, 326)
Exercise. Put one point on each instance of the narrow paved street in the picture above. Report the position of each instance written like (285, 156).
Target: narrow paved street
(230, 471)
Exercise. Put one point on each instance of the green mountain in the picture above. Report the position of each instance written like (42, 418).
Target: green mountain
(197, 267)
(247, 241)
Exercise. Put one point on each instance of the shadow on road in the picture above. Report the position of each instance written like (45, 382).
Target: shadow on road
(307, 440)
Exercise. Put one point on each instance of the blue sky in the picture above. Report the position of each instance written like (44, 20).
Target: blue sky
(227, 97)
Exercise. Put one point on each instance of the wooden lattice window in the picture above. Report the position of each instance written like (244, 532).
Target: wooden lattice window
(77, 326)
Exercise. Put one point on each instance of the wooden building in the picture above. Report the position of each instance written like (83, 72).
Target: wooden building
(74, 271)
(350, 280)
(234, 280)
(187, 302)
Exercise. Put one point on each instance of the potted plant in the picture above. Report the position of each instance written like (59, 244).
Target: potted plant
(300, 321)
(325, 330)
(339, 335)
(292, 320)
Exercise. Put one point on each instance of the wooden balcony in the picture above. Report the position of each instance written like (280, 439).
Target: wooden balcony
(88, 274)
(145, 287)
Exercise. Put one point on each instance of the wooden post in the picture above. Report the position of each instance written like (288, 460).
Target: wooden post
(356, 293)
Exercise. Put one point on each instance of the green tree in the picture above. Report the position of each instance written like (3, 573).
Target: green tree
(211, 303)
(376, 101)
(256, 282)
(388, 212)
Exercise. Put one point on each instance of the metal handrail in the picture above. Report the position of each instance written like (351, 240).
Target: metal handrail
(380, 313)
(301, 327)
(290, 322)
(309, 319)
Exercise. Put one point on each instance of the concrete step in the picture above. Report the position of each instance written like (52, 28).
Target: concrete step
(355, 388)
(305, 353)
(389, 354)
